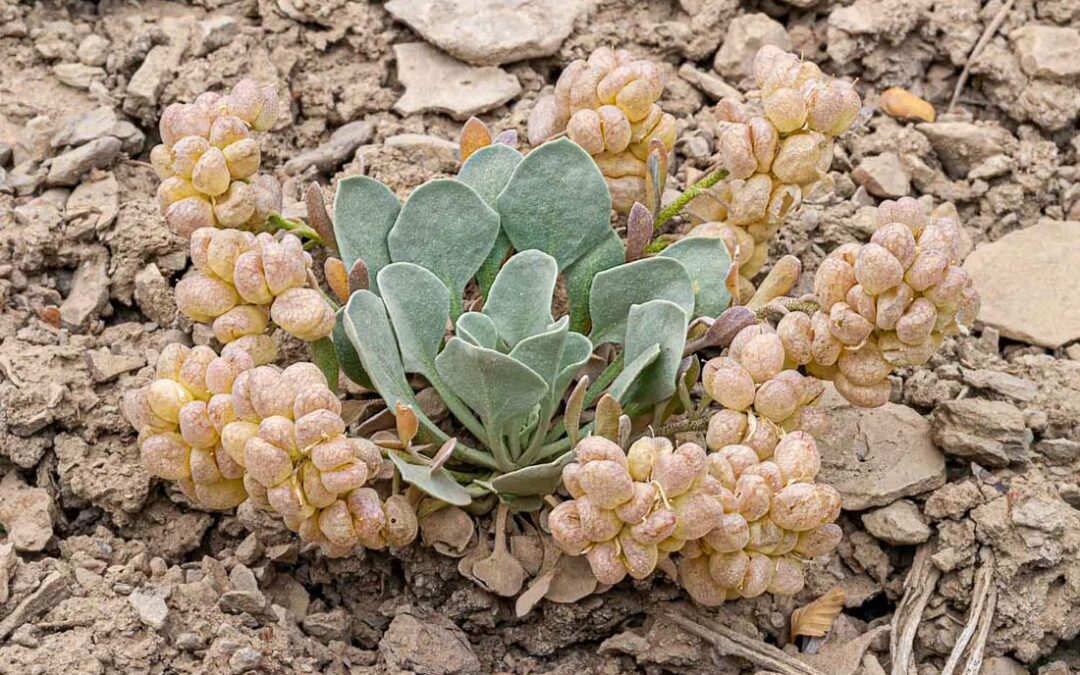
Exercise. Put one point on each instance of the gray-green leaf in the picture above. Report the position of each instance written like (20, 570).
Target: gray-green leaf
(438, 483)
(707, 261)
(616, 290)
(520, 299)
(488, 170)
(609, 253)
(539, 479)
(419, 307)
(364, 213)
(346, 353)
(478, 329)
(657, 323)
(495, 386)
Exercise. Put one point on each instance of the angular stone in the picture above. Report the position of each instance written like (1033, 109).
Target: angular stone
(745, 36)
(150, 607)
(875, 456)
(436, 82)
(335, 152)
(709, 84)
(883, 176)
(70, 167)
(900, 523)
(89, 290)
(214, 33)
(94, 124)
(146, 84)
(53, 590)
(94, 50)
(1028, 283)
(1016, 388)
(491, 32)
(78, 75)
(963, 145)
(154, 296)
(327, 626)
(1048, 51)
(953, 500)
(992, 433)
(26, 513)
(105, 366)
(423, 642)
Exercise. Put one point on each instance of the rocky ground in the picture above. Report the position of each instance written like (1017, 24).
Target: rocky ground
(962, 496)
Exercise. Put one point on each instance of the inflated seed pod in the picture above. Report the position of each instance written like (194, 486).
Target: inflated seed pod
(762, 437)
(877, 270)
(897, 239)
(302, 312)
(777, 399)
(907, 211)
(770, 472)
(864, 366)
(797, 457)
(696, 515)
(927, 270)
(862, 302)
(606, 563)
(796, 333)
(637, 508)
(730, 535)
(833, 108)
(869, 396)
(786, 109)
(401, 523)
(918, 321)
(656, 528)
(787, 577)
(696, 578)
(762, 356)
(800, 506)
(848, 326)
(726, 427)
(608, 483)
(802, 158)
(639, 559)
(675, 472)
(892, 304)
(728, 383)
(593, 448)
(598, 524)
(833, 280)
(819, 540)
(753, 495)
(759, 572)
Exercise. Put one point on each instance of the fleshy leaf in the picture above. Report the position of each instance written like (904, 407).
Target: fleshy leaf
(579, 277)
(488, 170)
(707, 261)
(364, 213)
(576, 354)
(633, 370)
(446, 228)
(615, 291)
(419, 307)
(657, 323)
(543, 352)
(538, 479)
(495, 386)
(556, 201)
(347, 357)
(478, 329)
(324, 356)
(438, 483)
(520, 299)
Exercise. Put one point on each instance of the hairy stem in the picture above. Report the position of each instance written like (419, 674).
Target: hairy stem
(278, 222)
(674, 208)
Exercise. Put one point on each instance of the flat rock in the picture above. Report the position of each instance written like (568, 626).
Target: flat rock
(900, 523)
(150, 607)
(491, 32)
(875, 456)
(962, 146)
(1011, 386)
(53, 590)
(214, 33)
(953, 500)
(26, 513)
(94, 50)
(883, 176)
(1048, 51)
(154, 296)
(70, 167)
(745, 36)
(1027, 280)
(78, 75)
(437, 82)
(105, 366)
(147, 83)
(89, 291)
(708, 83)
(992, 433)
(423, 642)
(94, 124)
(335, 152)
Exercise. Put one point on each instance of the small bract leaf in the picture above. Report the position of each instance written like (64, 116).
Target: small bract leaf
(816, 618)
(574, 405)
(359, 279)
(778, 282)
(317, 216)
(438, 483)
(639, 231)
(407, 424)
(617, 289)
(707, 261)
(608, 412)
(474, 135)
(337, 278)
(364, 213)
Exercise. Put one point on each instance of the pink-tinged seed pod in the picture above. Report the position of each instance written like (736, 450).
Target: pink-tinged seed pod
(766, 61)
(605, 563)
(331, 453)
(349, 477)
(584, 128)
(739, 457)
(267, 199)
(947, 293)
(179, 120)
(656, 528)
(222, 495)
(245, 101)
(199, 248)
(751, 201)
(234, 437)
(825, 348)
(864, 366)
(287, 498)
(696, 515)
(727, 570)
(818, 541)
(266, 463)
(236, 206)
(640, 559)
(195, 426)
(763, 356)
(250, 279)
(877, 270)
(210, 175)
(675, 473)
(762, 437)
(897, 239)
(606, 482)
(870, 396)
(270, 394)
(831, 502)
(304, 374)
(731, 534)
(226, 130)
(191, 373)
(161, 159)
(758, 576)
(786, 109)
(906, 211)
(336, 524)
(204, 468)
(765, 535)
(726, 427)
(189, 214)
(260, 347)
(737, 150)
(137, 411)
(765, 140)
(186, 154)
(369, 518)
(796, 332)
(615, 128)
(165, 455)
(848, 253)
(239, 321)
(862, 302)
(797, 457)
(942, 234)
(721, 470)
(268, 114)
(901, 354)
(848, 326)
(401, 523)
(593, 448)
(915, 326)
(800, 157)
(303, 313)
(313, 398)
(565, 525)
(776, 399)
(927, 270)
(597, 523)
(892, 304)
(834, 108)
(728, 383)
(797, 507)
(281, 432)
(753, 496)
(833, 280)
(787, 577)
(637, 507)
(770, 472)
(318, 426)
(174, 189)
(570, 480)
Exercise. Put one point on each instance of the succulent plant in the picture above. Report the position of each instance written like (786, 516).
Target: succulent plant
(178, 421)
(771, 156)
(208, 161)
(242, 281)
(504, 372)
(607, 104)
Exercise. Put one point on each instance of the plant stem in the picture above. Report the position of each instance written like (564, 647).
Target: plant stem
(278, 222)
(698, 422)
(603, 381)
(790, 304)
(674, 208)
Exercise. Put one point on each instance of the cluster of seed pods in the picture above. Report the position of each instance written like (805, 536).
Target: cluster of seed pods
(179, 419)
(243, 280)
(607, 104)
(208, 160)
(741, 525)
(885, 304)
(773, 155)
(284, 427)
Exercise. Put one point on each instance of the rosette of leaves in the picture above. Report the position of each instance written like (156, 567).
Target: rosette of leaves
(504, 371)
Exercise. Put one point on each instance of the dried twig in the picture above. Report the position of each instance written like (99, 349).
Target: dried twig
(984, 579)
(984, 39)
(986, 621)
(919, 586)
(729, 642)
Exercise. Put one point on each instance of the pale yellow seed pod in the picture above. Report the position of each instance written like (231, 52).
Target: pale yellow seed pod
(870, 396)
(637, 507)
(303, 313)
(222, 248)
(598, 524)
(765, 535)
(800, 158)
(848, 252)
(179, 120)
(239, 321)
(831, 502)
(897, 239)
(786, 109)
(948, 293)
(261, 348)
(287, 498)
(190, 214)
(784, 200)
(171, 360)
(642, 456)
(635, 99)
(664, 132)
(245, 101)
(192, 372)
(728, 383)
(304, 374)
(892, 304)
(744, 335)
(766, 61)
(318, 426)
(268, 114)
(736, 148)
(204, 298)
(204, 467)
(796, 332)
(172, 190)
(314, 398)
(640, 559)
(195, 426)
(165, 455)
(751, 201)
(565, 525)
(834, 108)
(900, 354)
(585, 129)
(605, 563)
(915, 326)
(226, 130)
(877, 270)
(656, 528)
(832, 281)
(236, 206)
(762, 437)
(726, 427)
(787, 577)
(763, 356)
(210, 175)
(862, 302)
(234, 437)
(606, 482)
(727, 570)
(222, 495)
(848, 326)
(753, 496)
(907, 211)
(765, 140)
(186, 154)
(818, 541)
(284, 263)
(161, 159)
(927, 270)
(615, 128)
(730, 535)
(135, 407)
(696, 515)
(758, 576)
(864, 366)
(776, 399)
(166, 398)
